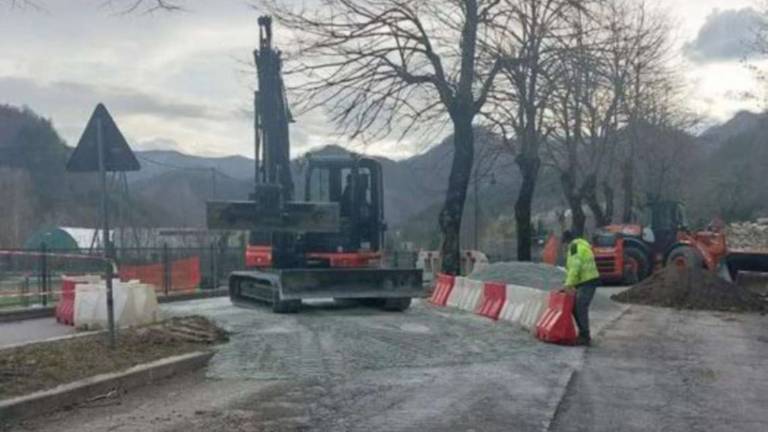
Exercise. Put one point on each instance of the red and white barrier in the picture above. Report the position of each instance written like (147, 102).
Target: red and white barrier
(523, 306)
(65, 309)
(443, 287)
(429, 263)
(466, 294)
(556, 324)
(493, 300)
(520, 305)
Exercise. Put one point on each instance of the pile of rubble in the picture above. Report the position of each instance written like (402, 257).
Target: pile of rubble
(693, 289)
(748, 235)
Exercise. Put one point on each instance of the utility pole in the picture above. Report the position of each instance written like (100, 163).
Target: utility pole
(477, 215)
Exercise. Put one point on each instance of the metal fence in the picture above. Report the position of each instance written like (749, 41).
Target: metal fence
(32, 278)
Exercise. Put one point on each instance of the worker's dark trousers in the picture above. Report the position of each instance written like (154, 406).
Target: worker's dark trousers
(584, 294)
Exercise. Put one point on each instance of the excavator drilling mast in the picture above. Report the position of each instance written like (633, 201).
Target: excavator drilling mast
(314, 248)
(272, 116)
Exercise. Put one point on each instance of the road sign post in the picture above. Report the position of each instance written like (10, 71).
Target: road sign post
(105, 234)
(102, 149)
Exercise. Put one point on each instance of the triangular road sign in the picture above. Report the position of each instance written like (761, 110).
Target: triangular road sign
(118, 156)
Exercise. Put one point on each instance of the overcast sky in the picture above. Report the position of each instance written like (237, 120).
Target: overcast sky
(183, 81)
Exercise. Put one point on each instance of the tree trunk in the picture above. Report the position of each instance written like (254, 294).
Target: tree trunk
(529, 168)
(574, 198)
(456, 196)
(628, 186)
(579, 219)
(590, 196)
(609, 201)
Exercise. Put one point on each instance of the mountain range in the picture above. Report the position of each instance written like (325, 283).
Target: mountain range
(171, 188)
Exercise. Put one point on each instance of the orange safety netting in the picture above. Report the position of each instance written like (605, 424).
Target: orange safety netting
(184, 275)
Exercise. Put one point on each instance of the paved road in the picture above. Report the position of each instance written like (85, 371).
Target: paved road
(347, 368)
(666, 370)
(12, 333)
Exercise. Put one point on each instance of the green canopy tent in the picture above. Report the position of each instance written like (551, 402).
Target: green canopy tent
(54, 238)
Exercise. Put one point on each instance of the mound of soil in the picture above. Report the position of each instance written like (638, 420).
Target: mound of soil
(46, 365)
(693, 289)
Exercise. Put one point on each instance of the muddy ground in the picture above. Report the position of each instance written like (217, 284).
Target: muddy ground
(693, 289)
(46, 365)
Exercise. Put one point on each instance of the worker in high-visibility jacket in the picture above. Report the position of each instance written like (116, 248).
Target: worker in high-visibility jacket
(583, 277)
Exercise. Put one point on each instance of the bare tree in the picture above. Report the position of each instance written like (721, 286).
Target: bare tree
(146, 6)
(520, 104)
(379, 67)
(591, 78)
(612, 77)
(668, 155)
(651, 50)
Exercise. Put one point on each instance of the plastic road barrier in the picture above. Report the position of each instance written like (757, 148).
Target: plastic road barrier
(65, 308)
(524, 306)
(466, 294)
(492, 301)
(443, 287)
(551, 250)
(135, 303)
(556, 324)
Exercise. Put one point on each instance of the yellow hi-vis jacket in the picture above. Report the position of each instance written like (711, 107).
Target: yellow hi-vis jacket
(580, 266)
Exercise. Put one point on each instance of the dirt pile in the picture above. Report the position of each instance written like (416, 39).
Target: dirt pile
(534, 275)
(748, 235)
(46, 365)
(693, 289)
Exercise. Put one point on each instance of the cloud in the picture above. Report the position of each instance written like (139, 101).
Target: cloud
(124, 100)
(725, 36)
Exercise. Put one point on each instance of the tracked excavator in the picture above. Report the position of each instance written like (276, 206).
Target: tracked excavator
(328, 244)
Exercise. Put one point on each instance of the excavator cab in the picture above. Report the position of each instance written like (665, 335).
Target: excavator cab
(356, 185)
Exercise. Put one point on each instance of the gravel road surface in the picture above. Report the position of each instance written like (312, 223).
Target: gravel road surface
(348, 368)
(673, 371)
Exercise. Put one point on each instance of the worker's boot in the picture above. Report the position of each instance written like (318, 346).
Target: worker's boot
(583, 341)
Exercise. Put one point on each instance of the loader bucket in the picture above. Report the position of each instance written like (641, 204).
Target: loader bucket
(749, 270)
